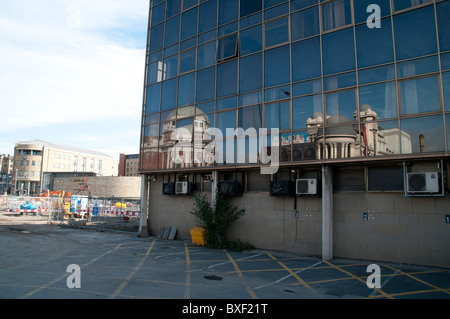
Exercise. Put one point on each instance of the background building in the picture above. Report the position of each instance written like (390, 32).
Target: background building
(362, 113)
(34, 158)
(6, 168)
(129, 165)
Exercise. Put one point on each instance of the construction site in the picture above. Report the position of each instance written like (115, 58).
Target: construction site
(77, 208)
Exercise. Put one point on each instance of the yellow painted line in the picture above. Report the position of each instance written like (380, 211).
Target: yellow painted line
(238, 271)
(419, 280)
(412, 292)
(358, 278)
(300, 280)
(135, 270)
(188, 272)
(34, 291)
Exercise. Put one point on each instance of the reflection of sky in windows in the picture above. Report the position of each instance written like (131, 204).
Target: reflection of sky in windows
(249, 69)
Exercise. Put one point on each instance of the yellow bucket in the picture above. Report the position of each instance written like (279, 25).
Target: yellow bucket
(197, 236)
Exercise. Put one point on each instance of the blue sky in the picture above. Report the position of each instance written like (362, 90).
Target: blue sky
(72, 73)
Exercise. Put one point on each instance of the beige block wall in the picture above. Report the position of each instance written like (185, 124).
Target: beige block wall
(399, 229)
(101, 186)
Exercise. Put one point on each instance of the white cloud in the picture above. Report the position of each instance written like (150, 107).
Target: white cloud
(71, 61)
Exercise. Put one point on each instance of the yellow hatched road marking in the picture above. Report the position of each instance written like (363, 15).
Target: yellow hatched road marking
(419, 280)
(238, 271)
(358, 278)
(135, 270)
(188, 272)
(300, 280)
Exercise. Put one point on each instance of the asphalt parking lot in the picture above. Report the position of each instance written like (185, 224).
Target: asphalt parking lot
(35, 256)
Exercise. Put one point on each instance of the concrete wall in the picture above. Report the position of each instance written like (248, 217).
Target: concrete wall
(101, 186)
(399, 229)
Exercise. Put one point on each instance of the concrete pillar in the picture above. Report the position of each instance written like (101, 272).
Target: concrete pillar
(215, 183)
(327, 213)
(143, 216)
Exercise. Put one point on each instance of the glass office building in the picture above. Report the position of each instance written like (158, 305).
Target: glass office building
(352, 96)
(339, 80)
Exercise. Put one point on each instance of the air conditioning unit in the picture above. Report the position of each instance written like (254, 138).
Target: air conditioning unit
(230, 188)
(422, 183)
(306, 186)
(168, 188)
(181, 187)
(281, 188)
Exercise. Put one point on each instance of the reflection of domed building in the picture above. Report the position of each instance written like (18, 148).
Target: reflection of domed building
(341, 137)
(185, 131)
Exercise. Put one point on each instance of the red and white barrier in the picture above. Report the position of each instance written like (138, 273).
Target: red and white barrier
(118, 212)
(28, 210)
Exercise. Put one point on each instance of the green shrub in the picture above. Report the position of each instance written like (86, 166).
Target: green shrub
(215, 220)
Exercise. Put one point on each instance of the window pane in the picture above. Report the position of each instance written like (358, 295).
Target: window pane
(381, 73)
(308, 87)
(342, 104)
(189, 3)
(251, 40)
(206, 55)
(417, 67)
(227, 47)
(173, 7)
(404, 4)
(420, 95)
(277, 116)
(189, 24)
(443, 14)
(250, 6)
(155, 72)
(382, 99)
(304, 108)
(381, 138)
(187, 61)
(153, 98)
(306, 59)
(275, 12)
(226, 120)
(415, 33)
(302, 148)
(171, 67)
(250, 117)
(447, 120)
(157, 37)
(339, 81)
(374, 46)
(338, 51)
(208, 16)
(227, 79)
(300, 4)
(305, 23)
(206, 84)
(276, 66)
(205, 107)
(360, 7)
(425, 131)
(250, 73)
(172, 31)
(169, 95)
(336, 14)
(228, 11)
(186, 90)
(158, 13)
(277, 32)
(446, 88)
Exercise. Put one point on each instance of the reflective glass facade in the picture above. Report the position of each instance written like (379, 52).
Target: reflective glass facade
(333, 85)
